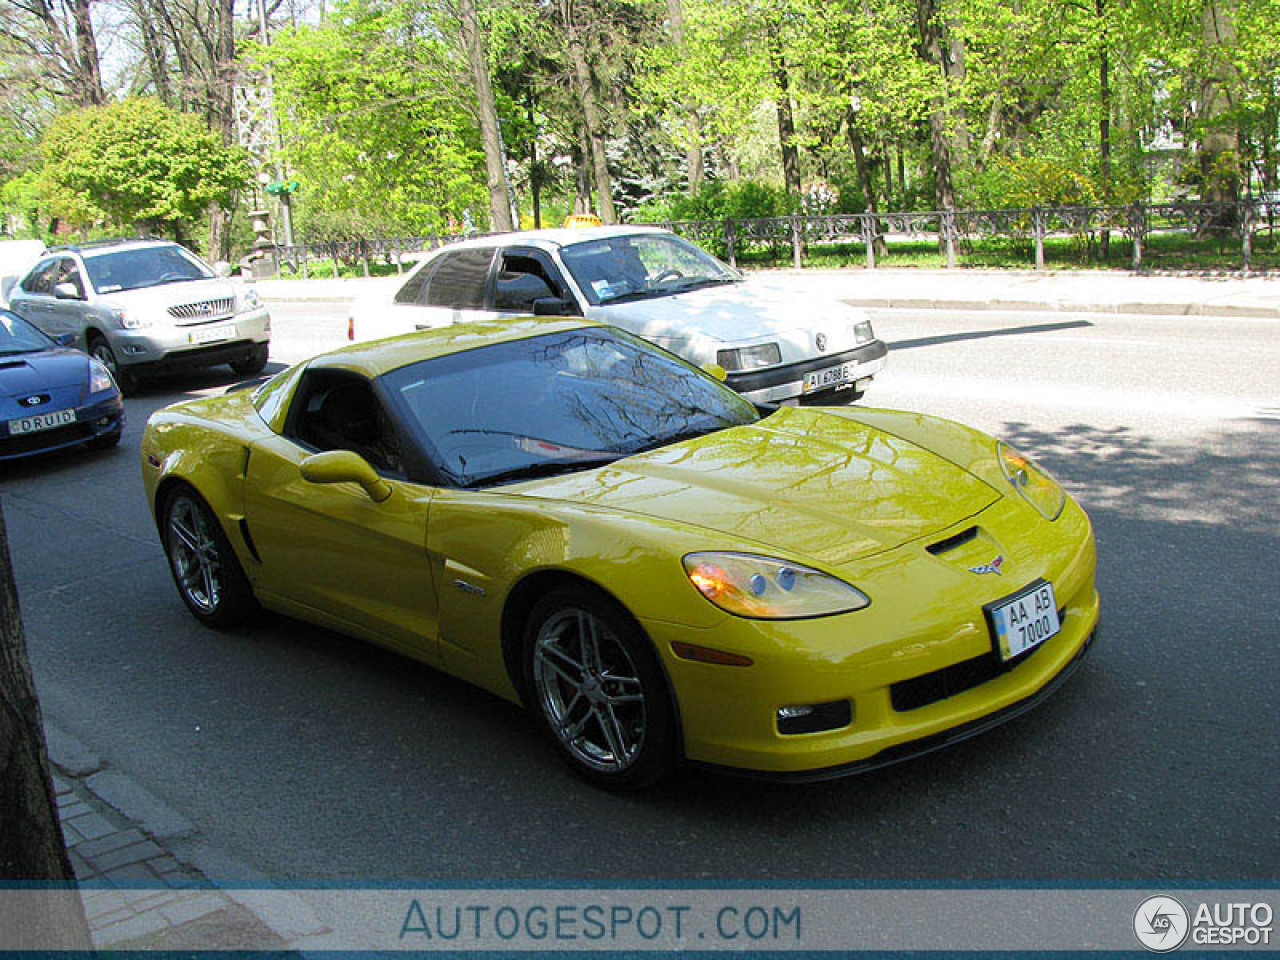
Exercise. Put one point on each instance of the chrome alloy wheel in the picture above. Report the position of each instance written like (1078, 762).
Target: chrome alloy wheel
(589, 690)
(193, 552)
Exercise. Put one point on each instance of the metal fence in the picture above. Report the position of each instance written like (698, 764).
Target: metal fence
(1237, 223)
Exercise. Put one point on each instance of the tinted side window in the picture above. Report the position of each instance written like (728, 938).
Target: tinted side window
(39, 280)
(411, 292)
(334, 410)
(521, 281)
(459, 280)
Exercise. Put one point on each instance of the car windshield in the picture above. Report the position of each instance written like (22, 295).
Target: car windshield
(641, 267)
(18, 336)
(143, 267)
(556, 403)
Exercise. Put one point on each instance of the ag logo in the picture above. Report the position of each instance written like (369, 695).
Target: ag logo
(1161, 924)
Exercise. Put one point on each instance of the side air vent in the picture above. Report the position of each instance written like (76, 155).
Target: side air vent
(961, 538)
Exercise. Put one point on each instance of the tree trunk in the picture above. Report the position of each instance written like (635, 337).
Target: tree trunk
(154, 50)
(693, 122)
(1104, 117)
(90, 70)
(939, 139)
(786, 118)
(594, 122)
(1219, 139)
(864, 178)
(31, 842)
(490, 135)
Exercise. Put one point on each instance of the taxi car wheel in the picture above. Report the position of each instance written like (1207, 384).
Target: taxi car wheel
(204, 567)
(252, 362)
(101, 351)
(597, 689)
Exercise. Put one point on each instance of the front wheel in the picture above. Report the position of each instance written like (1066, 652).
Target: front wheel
(101, 351)
(598, 691)
(204, 567)
(252, 362)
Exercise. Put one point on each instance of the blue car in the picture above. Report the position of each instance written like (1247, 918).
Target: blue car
(52, 396)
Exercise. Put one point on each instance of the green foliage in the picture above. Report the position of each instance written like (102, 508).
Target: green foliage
(1033, 182)
(719, 200)
(137, 163)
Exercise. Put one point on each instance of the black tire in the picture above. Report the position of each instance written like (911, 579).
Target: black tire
(101, 350)
(205, 570)
(252, 362)
(105, 443)
(609, 712)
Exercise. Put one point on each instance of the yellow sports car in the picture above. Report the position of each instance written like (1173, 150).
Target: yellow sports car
(574, 519)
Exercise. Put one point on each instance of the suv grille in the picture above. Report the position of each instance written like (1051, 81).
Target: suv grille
(203, 310)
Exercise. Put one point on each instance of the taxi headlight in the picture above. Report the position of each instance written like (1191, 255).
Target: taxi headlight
(862, 332)
(1032, 481)
(765, 588)
(749, 358)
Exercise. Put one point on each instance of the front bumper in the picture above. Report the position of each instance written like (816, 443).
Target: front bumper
(786, 382)
(99, 418)
(925, 621)
(175, 347)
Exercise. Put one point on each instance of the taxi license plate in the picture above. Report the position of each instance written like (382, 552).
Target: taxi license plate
(1024, 620)
(41, 421)
(222, 331)
(830, 376)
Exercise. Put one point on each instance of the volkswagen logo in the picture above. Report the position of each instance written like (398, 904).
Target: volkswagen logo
(821, 342)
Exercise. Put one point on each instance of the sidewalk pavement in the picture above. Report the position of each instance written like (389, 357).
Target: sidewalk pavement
(1087, 291)
(137, 894)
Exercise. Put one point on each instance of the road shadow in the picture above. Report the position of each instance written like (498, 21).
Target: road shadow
(987, 334)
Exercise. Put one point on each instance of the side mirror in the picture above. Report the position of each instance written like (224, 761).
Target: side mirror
(343, 466)
(222, 268)
(65, 339)
(716, 371)
(66, 291)
(555, 307)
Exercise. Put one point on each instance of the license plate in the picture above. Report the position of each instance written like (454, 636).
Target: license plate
(222, 331)
(830, 377)
(41, 421)
(1025, 620)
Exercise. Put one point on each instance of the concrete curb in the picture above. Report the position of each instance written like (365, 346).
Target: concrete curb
(1061, 306)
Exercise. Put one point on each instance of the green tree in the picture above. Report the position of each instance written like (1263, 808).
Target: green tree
(137, 163)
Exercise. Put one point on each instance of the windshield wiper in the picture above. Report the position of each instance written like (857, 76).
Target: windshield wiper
(549, 468)
(636, 295)
(705, 282)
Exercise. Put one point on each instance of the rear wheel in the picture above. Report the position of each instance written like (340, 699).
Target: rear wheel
(204, 567)
(252, 362)
(597, 689)
(101, 351)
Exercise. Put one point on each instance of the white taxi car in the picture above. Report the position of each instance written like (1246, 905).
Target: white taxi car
(775, 345)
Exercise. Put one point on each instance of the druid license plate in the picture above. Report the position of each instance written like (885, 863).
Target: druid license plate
(221, 331)
(830, 377)
(1025, 620)
(41, 421)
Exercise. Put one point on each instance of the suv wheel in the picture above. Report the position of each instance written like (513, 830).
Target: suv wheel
(101, 350)
(251, 362)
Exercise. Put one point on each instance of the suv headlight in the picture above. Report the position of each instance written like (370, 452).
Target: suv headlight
(749, 358)
(128, 320)
(1032, 481)
(249, 300)
(764, 588)
(99, 377)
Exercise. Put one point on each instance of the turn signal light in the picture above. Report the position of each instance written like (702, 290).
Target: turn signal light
(723, 658)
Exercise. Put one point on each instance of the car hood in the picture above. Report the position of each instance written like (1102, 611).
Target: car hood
(169, 294)
(27, 373)
(800, 483)
(753, 309)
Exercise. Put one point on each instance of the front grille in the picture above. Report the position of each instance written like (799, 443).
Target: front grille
(950, 681)
(202, 310)
(29, 442)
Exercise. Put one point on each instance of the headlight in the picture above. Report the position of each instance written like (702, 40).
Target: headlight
(749, 358)
(99, 377)
(249, 300)
(767, 589)
(129, 321)
(1032, 481)
(862, 332)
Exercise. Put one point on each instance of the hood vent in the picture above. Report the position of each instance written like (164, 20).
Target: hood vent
(950, 543)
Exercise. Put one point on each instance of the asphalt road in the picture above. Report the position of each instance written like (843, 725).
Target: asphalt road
(309, 756)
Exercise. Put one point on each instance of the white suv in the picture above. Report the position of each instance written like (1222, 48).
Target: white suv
(141, 305)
